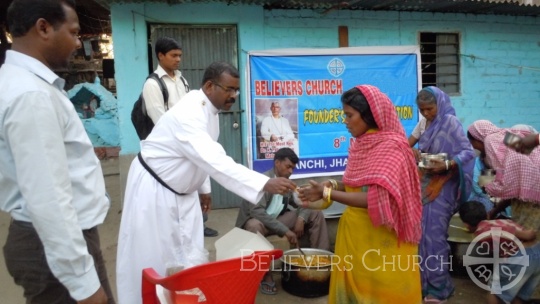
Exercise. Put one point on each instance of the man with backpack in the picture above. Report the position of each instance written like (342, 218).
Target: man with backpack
(169, 54)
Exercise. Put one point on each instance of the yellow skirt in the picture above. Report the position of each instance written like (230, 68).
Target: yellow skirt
(370, 266)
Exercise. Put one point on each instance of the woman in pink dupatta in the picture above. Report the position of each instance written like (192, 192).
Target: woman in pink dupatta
(517, 175)
(378, 234)
(517, 183)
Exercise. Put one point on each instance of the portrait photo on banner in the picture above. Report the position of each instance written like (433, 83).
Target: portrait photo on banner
(277, 125)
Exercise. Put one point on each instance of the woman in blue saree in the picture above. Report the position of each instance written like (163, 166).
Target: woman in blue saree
(444, 185)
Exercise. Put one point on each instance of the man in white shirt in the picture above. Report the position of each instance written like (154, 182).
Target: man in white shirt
(169, 54)
(160, 228)
(276, 129)
(51, 180)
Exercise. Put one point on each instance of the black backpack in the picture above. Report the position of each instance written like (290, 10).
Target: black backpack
(141, 121)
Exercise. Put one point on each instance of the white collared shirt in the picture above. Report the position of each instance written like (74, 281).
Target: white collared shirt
(153, 97)
(49, 173)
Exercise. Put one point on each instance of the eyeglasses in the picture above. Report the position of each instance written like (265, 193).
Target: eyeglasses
(233, 91)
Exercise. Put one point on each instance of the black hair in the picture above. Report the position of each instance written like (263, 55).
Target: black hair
(284, 153)
(472, 213)
(165, 45)
(356, 100)
(213, 71)
(425, 96)
(470, 137)
(23, 14)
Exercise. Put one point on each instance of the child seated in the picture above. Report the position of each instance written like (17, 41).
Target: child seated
(474, 216)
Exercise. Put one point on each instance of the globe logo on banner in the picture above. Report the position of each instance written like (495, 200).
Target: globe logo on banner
(496, 260)
(336, 67)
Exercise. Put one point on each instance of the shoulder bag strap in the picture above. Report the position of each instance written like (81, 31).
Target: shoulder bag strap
(186, 85)
(155, 175)
(163, 88)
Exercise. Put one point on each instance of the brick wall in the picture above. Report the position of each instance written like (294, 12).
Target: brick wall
(500, 62)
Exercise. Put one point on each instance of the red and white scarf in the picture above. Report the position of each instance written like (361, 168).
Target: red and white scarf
(384, 162)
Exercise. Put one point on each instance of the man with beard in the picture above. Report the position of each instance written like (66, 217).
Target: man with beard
(51, 180)
(162, 223)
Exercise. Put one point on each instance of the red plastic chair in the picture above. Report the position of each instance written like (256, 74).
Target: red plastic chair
(233, 281)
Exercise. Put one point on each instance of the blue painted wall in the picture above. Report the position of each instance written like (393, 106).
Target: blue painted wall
(500, 63)
(131, 54)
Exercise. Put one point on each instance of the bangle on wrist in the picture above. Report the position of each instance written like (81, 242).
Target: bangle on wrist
(329, 198)
(326, 191)
(446, 163)
(334, 183)
(325, 202)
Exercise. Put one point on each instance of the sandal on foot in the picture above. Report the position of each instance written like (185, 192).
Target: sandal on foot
(268, 288)
(433, 301)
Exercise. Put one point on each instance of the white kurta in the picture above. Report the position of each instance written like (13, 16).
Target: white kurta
(153, 97)
(279, 127)
(157, 225)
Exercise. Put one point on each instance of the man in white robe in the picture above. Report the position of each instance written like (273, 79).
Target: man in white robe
(276, 130)
(159, 228)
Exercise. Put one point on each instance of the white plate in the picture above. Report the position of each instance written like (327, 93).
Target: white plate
(331, 216)
(335, 210)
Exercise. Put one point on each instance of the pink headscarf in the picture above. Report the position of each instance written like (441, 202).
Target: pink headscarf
(384, 162)
(518, 175)
(480, 130)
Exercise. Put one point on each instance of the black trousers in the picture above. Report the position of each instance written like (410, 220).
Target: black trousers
(26, 263)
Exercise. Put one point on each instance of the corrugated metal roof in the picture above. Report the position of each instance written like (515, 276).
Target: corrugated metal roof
(94, 17)
(483, 7)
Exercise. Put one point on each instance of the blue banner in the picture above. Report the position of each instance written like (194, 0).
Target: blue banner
(295, 101)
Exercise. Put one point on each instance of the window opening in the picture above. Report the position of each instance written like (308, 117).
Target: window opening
(440, 61)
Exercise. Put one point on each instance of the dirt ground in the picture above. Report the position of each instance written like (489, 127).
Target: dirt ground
(222, 220)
